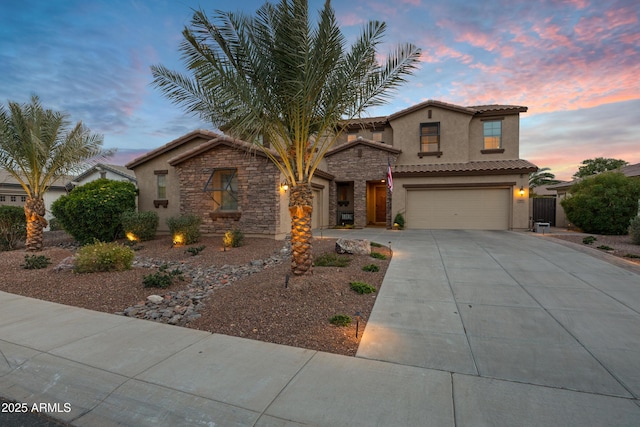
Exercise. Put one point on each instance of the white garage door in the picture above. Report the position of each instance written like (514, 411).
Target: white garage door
(462, 209)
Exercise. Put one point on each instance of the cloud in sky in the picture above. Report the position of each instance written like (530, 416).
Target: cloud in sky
(573, 63)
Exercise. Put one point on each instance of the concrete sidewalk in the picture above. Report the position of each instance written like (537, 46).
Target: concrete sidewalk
(470, 328)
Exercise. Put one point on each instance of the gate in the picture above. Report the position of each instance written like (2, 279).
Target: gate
(544, 210)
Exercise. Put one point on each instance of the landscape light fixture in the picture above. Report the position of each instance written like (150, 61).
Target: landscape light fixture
(358, 315)
(284, 186)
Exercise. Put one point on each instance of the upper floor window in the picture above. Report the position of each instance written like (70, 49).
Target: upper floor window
(492, 135)
(429, 137)
(352, 137)
(23, 199)
(376, 136)
(223, 185)
(2, 198)
(13, 198)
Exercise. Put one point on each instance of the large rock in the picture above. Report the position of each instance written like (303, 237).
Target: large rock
(353, 246)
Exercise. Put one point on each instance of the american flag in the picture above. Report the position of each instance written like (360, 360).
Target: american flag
(389, 177)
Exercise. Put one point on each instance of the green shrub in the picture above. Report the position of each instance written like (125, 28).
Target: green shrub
(605, 248)
(35, 262)
(376, 245)
(634, 230)
(604, 203)
(141, 225)
(186, 227)
(340, 320)
(589, 240)
(399, 219)
(633, 256)
(362, 287)
(378, 255)
(13, 227)
(93, 211)
(162, 278)
(330, 259)
(233, 238)
(102, 256)
(194, 250)
(372, 268)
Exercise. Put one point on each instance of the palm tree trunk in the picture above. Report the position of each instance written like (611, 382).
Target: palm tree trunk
(300, 207)
(34, 210)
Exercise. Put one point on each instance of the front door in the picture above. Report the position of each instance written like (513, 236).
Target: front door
(381, 204)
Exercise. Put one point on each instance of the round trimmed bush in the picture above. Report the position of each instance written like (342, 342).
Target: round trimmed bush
(93, 211)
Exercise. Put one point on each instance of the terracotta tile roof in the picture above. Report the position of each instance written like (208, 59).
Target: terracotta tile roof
(170, 146)
(499, 108)
(468, 168)
(218, 140)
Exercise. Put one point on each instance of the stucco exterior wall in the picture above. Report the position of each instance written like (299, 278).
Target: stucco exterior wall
(510, 138)
(454, 135)
(147, 184)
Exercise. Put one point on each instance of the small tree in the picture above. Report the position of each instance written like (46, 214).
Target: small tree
(604, 203)
(599, 164)
(94, 210)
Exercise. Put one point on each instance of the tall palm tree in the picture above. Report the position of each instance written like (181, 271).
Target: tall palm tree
(37, 147)
(279, 76)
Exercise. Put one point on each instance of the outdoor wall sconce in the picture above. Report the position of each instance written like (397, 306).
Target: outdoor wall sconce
(284, 186)
(521, 191)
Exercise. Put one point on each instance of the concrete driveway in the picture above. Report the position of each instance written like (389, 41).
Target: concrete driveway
(493, 305)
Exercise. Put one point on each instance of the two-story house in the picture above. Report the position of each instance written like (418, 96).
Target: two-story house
(453, 167)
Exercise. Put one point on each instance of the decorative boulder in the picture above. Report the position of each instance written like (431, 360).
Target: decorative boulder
(353, 246)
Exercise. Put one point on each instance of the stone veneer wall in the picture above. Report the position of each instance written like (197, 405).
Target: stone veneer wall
(258, 199)
(359, 164)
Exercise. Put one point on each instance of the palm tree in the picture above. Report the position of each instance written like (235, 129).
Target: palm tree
(541, 177)
(278, 76)
(37, 147)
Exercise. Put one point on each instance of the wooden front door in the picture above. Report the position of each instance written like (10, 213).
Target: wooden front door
(381, 203)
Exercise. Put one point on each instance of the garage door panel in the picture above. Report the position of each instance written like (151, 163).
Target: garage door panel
(466, 209)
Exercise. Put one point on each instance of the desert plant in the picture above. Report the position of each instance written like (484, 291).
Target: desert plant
(140, 225)
(589, 240)
(634, 230)
(233, 238)
(330, 259)
(633, 256)
(13, 226)
(372, 268)
(362, 287)
(604, 203)
(35, 262)
(186, 227)
(101, 256)
(605, 248)
(340, 320)
(93, 211)
(399, 220)
(378, 255)
(194, 250)
(162, 278)
(376, 245)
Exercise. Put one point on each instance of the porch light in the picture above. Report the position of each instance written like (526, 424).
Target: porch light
(284, 186)
(521, 192)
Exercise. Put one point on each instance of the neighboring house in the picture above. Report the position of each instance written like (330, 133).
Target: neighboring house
(12, 194)
(562, 190)
(102, 170)
(453, 167)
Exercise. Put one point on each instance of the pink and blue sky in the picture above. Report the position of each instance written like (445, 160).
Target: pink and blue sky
(574, 63)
